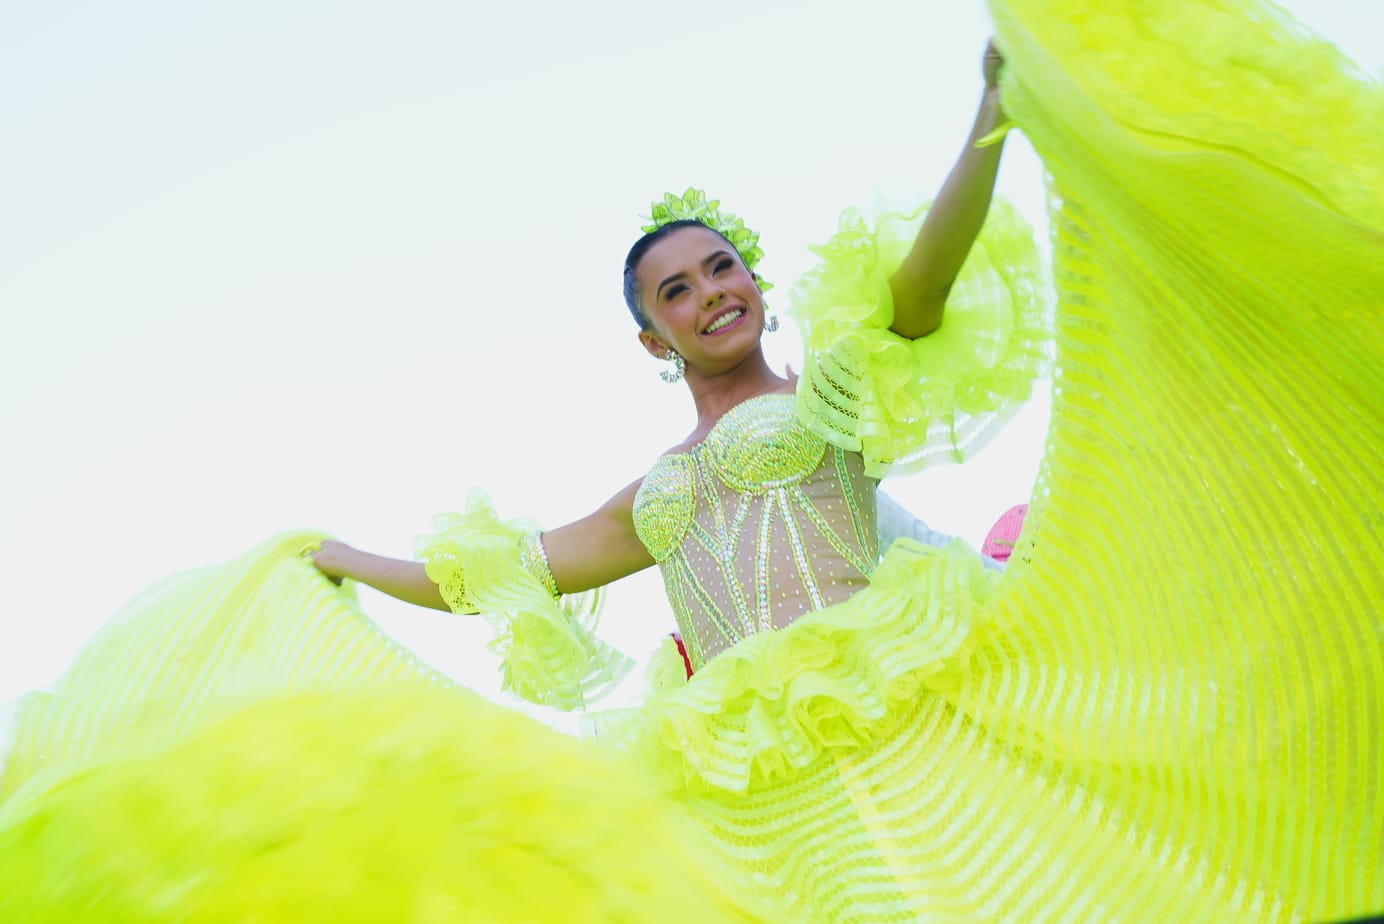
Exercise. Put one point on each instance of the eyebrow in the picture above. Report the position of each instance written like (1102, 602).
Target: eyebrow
(676, 276)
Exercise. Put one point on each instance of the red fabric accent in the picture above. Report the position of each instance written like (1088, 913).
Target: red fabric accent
(682, 650)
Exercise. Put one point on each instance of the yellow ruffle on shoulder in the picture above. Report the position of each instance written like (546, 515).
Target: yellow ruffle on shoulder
(905, 404)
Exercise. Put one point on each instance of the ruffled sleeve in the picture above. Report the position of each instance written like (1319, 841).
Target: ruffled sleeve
(551, 655)
(905, 404)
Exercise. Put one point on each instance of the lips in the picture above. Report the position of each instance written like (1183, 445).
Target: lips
(724, 321)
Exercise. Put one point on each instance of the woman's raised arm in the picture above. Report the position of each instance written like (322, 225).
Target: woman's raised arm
(921, 284)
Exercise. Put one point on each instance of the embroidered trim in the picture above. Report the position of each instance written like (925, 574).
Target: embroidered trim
(534, 558)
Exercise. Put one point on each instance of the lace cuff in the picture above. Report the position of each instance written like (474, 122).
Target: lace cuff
(534, 558)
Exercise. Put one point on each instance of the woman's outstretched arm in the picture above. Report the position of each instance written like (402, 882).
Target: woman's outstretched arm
(591, 552)
(404, 580)
(921, 284)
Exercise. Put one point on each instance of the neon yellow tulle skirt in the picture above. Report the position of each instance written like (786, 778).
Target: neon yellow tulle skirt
(244, 745)
(1170, 709)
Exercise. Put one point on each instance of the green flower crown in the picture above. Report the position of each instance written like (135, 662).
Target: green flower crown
(694, 206)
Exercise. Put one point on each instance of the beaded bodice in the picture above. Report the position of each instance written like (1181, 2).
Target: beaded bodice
(759, 523)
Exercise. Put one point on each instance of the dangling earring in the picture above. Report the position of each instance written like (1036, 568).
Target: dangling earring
(674, 375)
(771, 324)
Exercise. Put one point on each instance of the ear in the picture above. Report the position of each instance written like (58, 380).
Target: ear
(651, 342)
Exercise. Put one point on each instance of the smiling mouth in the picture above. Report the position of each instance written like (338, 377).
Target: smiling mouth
(725, 321)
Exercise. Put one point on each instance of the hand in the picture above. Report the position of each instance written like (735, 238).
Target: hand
(990, 65)
(330, 559)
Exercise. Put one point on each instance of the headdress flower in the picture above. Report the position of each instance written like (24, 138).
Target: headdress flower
(693, 205)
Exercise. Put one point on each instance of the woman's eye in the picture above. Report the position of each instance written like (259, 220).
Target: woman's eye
(723, 264)
(674, 291)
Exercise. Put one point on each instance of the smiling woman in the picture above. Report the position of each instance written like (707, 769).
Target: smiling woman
(1159, 712)
(703, 295)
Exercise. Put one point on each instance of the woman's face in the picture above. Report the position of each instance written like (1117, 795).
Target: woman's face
(699, 299)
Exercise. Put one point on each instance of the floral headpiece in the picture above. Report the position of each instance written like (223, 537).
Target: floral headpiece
(694, 206)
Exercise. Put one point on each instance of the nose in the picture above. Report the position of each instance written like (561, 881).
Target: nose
(713, 295)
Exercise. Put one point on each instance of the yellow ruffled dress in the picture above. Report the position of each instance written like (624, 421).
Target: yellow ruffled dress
(1172, 709)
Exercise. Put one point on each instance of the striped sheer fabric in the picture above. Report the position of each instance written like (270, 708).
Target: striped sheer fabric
(1199, 639)
(1174, 710)
(199, 645)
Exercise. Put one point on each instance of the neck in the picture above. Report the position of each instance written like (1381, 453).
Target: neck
(716, 394)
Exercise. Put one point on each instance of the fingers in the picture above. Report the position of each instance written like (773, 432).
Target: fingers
(991, 63)
(321, 558)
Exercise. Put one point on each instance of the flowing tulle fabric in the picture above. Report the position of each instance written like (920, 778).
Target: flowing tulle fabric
(1170, 709)
(381, 803)
(1171, 705)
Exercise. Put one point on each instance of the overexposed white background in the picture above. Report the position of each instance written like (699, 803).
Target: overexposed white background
(266, 265)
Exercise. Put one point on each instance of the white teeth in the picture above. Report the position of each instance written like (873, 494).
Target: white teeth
(723, 321)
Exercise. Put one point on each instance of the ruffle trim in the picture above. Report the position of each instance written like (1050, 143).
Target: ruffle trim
(550, 653)
(835, 680)
(905, 404)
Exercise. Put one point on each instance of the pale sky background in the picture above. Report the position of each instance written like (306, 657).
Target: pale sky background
(277, 264)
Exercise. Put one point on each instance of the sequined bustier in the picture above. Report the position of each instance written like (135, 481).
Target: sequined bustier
(759, 523)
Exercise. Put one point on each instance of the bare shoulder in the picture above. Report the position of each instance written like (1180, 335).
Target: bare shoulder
(621, 504)
(687, 445)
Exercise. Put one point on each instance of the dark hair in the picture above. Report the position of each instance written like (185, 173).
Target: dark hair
(636, 255)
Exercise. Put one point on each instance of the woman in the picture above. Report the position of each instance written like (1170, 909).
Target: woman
(1144, 720)
(698, 303)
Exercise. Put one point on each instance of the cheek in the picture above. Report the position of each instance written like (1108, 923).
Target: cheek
(665, 320)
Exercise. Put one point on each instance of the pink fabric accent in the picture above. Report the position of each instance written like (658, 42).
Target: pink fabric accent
(999, 542)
